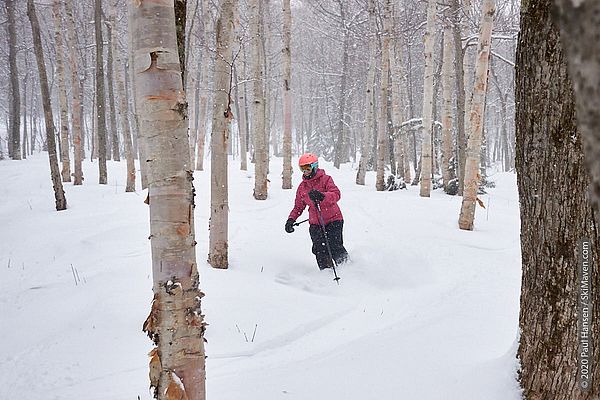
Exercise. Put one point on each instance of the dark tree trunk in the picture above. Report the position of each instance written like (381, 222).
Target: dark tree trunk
(100, 95)
(14, 134)
(555, 215)
(116, 152)
(461, 138)
(59, 194)
(180, 18)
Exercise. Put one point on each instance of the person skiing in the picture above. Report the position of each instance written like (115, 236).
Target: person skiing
(318, 188)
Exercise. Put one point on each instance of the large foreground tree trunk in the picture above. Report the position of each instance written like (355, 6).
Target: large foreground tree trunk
(175, 324)
(59, 194)
(555, 216)
(221, 128)
(580, 33)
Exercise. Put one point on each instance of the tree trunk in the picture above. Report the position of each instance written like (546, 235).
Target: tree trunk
(59, 194)
(287, 95)
(258, 111)
(477, 108)
(14, 135)
(175, 323)
(365, 152)
(100, 95)
(221, 127)
(340, 148)
(241, 121)
(382, 137)
(580, 28)
(447, 148)
(426, 161)
(75, 94)
(556, 215)
(122, 110)
(116, 152)
(461, 142)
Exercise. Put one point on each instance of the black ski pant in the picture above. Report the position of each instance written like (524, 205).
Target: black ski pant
(336, 243)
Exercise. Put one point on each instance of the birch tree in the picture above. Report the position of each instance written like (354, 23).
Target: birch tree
(261, 156)
(221, 126)
(14, 137)
(382, 138)
(175, 323)
(556, 212)
(100, 95)
(62, 94)
(287, 95)
(447, 63)
(472, 176)
(426, 150)
(75, 96)
(365, 152)
(59, 194)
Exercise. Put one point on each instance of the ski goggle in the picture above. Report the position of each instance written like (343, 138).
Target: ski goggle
(308, 167)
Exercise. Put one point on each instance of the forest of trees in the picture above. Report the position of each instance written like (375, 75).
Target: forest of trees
(430, 93)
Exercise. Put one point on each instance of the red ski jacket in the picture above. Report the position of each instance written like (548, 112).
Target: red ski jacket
(329, 208)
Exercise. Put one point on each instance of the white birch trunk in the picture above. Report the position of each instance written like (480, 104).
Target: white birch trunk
(287, 96)
(426, 161)
(75, 94)
(447, 64)
(122, 109)
(367, 135)
(62, 94)
(472, 177)
(221, 127)
(258, 111)
(207, 62)
(175, 324)
(398, 102)
(382, 139)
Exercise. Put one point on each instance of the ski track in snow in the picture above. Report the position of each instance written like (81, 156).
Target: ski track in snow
(423, 310)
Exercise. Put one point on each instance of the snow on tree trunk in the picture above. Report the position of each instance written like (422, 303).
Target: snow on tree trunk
(100, 96)
(175, 323)
(75, 94)
(556, 212)
(287, 96)
(14, 135)
(447, 148)
(59, 194)
(258, 111)
(429, 43)
(367, 136)
(221, 127)
(580, 28)
(472, 176)
(382, 134)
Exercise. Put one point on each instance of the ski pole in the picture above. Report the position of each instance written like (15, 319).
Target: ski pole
(322, 223)
(298, 223)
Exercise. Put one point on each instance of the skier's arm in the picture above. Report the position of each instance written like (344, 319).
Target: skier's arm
(332, 193)
(299, 206)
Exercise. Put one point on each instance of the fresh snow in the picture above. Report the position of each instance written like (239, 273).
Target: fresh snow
(423, 310)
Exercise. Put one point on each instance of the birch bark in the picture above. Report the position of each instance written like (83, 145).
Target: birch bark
(472, 176)
(175, 323)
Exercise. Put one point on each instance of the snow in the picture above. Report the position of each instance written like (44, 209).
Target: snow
(423, 310)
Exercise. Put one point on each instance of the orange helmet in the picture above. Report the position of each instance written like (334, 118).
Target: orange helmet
(307, 159)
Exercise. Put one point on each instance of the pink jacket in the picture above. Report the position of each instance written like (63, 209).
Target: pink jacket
(329, 208)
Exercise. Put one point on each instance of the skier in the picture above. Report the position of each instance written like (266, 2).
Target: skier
(318, 188)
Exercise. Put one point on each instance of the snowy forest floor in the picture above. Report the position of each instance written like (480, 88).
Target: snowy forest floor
(423, 311)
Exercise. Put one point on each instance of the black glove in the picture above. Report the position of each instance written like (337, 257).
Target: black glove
(315, 195)
(289, 225)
